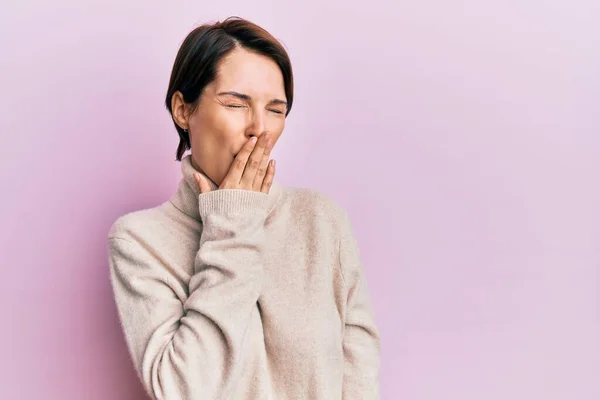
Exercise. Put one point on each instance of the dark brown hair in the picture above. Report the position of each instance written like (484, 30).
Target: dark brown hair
(200, 53)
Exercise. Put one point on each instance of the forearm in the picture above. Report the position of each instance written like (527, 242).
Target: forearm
(194, 349)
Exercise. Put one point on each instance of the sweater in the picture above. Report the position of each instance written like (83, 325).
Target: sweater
(236, 294)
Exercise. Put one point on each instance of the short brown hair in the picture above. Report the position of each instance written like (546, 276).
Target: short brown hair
(200, 53)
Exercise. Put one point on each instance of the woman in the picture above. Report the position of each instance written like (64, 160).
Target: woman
(238, 288)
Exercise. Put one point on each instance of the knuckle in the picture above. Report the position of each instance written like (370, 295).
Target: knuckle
(239, 163)
(253, 164)
(245, 153)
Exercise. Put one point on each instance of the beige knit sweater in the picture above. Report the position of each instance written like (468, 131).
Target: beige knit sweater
(235, 294)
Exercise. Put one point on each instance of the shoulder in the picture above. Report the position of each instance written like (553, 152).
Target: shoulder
(314, 203)
(133, 241)
(134, 224)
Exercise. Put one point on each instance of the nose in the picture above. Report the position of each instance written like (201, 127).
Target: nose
(256, 125)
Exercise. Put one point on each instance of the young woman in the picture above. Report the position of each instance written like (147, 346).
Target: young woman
(237, 287)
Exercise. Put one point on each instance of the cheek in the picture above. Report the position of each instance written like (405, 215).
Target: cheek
(197, 124)
(227, 123)
(278, 132)
(228, 130)
(215, 128)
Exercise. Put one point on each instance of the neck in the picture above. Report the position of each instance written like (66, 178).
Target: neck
(186, 197)
(197, 168)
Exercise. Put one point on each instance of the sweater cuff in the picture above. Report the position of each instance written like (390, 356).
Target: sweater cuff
(232, 201)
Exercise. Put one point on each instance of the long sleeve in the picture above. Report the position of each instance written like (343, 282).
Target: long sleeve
(193, 349)
(361, 342)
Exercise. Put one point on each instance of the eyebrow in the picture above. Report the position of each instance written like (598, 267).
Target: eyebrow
(248, 98)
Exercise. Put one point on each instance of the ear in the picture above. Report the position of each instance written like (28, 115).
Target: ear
(179, 110)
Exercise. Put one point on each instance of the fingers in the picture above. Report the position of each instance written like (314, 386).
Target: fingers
(263, 168)
(251, 168)
(269, 176)
(255, 161)
(203, 184)
(234, 176)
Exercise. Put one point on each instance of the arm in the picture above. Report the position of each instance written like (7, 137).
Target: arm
(193, 349)
(361, 341)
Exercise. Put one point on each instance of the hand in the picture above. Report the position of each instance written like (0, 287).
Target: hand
(251, 169)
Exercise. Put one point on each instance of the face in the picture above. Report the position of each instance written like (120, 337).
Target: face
(246, 99)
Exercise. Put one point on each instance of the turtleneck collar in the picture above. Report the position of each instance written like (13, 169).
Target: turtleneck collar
(186, 197)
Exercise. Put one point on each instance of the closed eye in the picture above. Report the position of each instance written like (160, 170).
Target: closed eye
(241, 106)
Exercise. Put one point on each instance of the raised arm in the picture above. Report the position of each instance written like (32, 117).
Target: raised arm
(193, 349)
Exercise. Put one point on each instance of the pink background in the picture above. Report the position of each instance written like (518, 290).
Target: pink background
(463, 139)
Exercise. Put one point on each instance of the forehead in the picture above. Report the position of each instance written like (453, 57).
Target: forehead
(251, 73)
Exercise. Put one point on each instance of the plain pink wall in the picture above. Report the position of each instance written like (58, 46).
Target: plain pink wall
(463, 138)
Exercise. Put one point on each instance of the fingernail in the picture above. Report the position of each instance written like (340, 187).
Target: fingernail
(253, 139)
